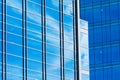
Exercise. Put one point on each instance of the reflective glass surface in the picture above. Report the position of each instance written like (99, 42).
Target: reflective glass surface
(37, 40)
(104, 36)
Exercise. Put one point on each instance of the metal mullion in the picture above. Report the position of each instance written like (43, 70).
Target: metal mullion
(24, 39)
(76, 24)
(26, 42)
(62, 75)
(4, 40)
(43, 18)
(74, 40)
(23, 50)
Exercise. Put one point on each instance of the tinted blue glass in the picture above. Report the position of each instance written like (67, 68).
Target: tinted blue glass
(115, 30)
(34, 44)
(36, 1)
(115, 73)
(53, 41)
(13, 60)
(14, 38)
(14, 70)
(35, 65)
(68, 20)
(52, 49)
(33, 8)
(97, 19)
(14, 21)
(14, 30)
(14, 49)
(34, 27)
(69, 64)
(68, 9)
(13, 76)
(114, 8)
(97, 35)
(34, 36)
(99, 74)
(69, 75)
(90, 13)
(15, 3)
(36, 19)
(69, 54)
(49, 77)
(34, 54)
(53, 4)
(88, 2)
(98, 56)
(53, 59)
(34, 75)
(115, 54)
(50, 12)
(92, 57)
(53, 70)
(14, 12)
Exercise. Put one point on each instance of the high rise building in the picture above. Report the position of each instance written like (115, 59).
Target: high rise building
(103, 18)
(39, 40)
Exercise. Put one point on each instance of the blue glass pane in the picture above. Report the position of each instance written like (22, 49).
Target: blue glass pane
(14, 12)
(15, 3)
(13, 60)
(34, 8)
(34, 75)
(14, 49)
(35, 65)
(53, 4)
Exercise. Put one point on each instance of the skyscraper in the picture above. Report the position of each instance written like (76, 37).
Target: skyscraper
(103, 18)
(39, 40)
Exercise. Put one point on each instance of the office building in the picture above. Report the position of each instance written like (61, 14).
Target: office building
(39, 40)
(103, 18)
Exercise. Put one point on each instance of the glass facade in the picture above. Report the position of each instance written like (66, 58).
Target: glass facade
(84, 57)
(103, 18)
(38, 40)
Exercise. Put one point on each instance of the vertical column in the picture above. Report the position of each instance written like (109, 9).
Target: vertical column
(43, 12)
(76, 41)
(24, 38)
(3, 39)
(61, 40)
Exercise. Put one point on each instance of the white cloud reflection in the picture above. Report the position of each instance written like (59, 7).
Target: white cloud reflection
(52, 24)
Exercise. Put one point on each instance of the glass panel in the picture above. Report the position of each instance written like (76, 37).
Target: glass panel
(50, 12)
(14, 12)
(15, 3)
(35, 65)
(14, 49)
(34, 8)
(53, 4)
(34, 75)
(13, 60)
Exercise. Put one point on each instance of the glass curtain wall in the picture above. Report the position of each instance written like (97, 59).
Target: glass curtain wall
(37, 40)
